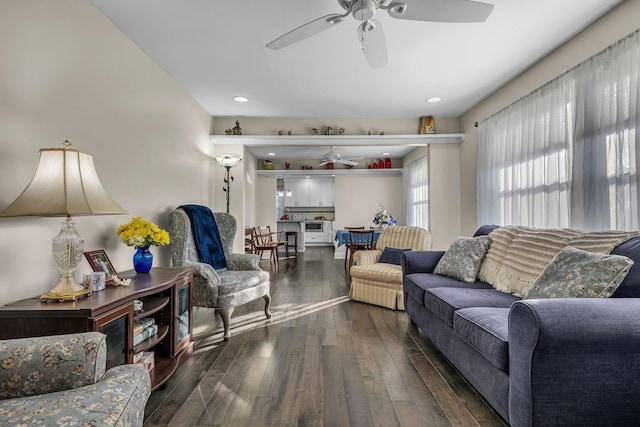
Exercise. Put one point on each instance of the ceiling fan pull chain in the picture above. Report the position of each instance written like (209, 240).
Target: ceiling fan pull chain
(362, 23)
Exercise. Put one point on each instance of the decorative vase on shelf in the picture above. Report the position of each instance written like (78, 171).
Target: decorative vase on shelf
(387, 163)
(142, 259)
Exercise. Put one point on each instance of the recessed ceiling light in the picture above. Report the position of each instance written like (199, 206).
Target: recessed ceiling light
(386, 154)
(271, 154)
(434, 99)
(241, 99)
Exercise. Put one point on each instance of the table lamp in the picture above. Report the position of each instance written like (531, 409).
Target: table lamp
(65, 183)
(227, 161)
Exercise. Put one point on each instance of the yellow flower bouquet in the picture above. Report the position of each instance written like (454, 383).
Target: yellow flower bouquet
(141, 233)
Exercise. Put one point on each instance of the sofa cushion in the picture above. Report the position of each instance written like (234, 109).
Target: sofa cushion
(528, 254)
(392, 255)
(380, 272)
(443, 302)
(462, 259)
(416, 284)
(487, 331)
(575, 273)
(630, 286)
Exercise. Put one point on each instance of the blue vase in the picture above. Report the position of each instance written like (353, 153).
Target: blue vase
(142, 259)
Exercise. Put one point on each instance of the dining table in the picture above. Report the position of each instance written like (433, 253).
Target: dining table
(342, 237)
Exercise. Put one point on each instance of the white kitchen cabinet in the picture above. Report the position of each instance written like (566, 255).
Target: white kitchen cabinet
(308, 192)
(328, 231)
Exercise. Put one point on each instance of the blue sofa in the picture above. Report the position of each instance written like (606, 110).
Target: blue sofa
(537, 362)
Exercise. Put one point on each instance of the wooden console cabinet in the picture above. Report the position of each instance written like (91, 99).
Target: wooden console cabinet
(167, 294)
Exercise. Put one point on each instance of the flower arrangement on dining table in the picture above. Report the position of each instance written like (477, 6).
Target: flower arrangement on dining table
(384, 218)
(142, 233)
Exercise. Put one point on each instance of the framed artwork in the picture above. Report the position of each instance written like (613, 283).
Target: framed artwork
(99, 261)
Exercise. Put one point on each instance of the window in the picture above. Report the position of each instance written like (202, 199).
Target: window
(418, 193)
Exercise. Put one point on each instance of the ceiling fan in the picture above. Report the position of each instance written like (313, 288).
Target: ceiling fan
(374, 46)
(334, 157)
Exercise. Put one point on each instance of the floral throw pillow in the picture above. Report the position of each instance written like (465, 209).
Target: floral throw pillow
(574, 273)
(462, 259)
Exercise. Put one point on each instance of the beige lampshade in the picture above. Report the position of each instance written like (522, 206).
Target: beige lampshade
(65, 183)
(228, 160)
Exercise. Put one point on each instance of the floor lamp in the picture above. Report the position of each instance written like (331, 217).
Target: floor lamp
(227, 161)
(65, 183)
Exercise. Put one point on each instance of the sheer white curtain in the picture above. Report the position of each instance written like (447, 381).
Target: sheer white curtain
(567, 154)
(418, 193)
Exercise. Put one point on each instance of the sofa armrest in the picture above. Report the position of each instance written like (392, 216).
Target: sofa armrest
(243, 261)
(574, 362)
(366, 257)
(33, 366)
(420, 261)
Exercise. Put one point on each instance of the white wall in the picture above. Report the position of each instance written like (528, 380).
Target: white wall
(617, 24)
(68, 73)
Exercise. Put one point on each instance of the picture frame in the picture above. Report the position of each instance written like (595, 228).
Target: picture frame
(99, 261)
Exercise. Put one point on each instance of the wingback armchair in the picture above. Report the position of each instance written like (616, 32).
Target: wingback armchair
(376, 277)
(241, 282)
(61, 380)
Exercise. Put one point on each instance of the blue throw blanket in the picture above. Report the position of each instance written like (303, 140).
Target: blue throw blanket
(206, 235)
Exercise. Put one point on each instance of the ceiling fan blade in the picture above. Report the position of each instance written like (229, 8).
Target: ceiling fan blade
(307, 30)
(347, 162)
(441, 10)
(324, 163)
(374, 44)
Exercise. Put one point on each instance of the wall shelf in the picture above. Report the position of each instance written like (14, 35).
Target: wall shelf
(337, 140)
(316, 172)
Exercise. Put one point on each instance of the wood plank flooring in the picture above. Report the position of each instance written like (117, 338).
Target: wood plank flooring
(322, 360)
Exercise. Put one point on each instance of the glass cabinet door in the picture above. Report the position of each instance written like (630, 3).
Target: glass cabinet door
(183, 309)
(116, 325)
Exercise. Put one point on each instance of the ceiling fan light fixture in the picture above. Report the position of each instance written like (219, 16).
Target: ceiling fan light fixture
(368, 26)
(398, 8)
(335, 20)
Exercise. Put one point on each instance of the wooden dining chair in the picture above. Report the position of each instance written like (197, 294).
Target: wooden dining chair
(346, 252)
(360, 240)
(264, 241)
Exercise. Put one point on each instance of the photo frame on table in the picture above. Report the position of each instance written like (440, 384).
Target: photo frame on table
(99, 261)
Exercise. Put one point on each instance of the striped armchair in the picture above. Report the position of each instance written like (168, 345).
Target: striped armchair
(381, 283)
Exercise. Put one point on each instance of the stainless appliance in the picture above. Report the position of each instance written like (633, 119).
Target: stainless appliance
(314, 227)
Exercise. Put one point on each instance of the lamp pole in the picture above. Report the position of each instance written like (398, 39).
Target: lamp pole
(227, 184)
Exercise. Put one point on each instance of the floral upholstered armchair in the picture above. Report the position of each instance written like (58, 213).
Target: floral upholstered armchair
(61, 380)
(241, 282)
(377, 276)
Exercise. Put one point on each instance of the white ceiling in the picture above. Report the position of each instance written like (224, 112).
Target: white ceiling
(216, 50)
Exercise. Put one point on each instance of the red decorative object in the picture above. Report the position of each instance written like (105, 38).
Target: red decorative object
(381, 164)
(387, 163)
(369, 166)
(375, 165)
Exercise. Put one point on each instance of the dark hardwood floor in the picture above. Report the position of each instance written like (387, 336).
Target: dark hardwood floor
(322, 360)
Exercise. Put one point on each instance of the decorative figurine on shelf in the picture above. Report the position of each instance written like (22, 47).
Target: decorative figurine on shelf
(287, 165)
(370, 132)
(381, 132)
(380, 164)
(427, 125)
(289, 133)
(387, 163)
(329, 131)
(280, 132)
(341, 131)
(315, 131)
(268, 165)
(236, 130)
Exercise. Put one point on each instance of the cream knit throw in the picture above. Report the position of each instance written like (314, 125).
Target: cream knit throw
(529, 253)
(518, 255)
(501, 239)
